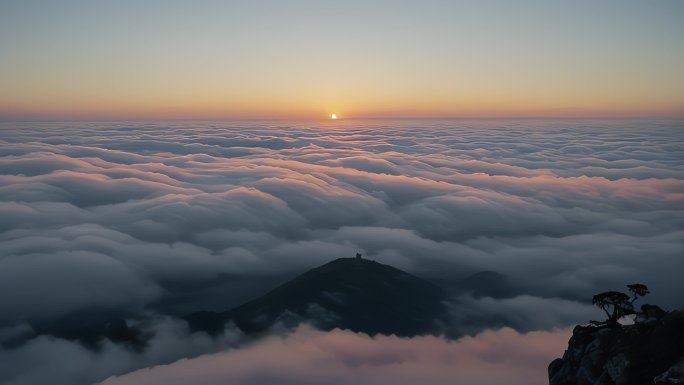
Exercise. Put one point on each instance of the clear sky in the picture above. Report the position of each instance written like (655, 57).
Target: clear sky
(308, 59)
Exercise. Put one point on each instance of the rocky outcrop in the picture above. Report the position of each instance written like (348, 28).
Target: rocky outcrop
(673, 375)
(648, 352)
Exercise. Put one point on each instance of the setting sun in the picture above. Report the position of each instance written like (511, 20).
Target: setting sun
(178, 206)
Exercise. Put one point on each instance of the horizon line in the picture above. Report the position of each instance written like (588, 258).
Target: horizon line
(353, 118)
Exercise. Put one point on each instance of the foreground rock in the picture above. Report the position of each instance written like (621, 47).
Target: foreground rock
(649, 352)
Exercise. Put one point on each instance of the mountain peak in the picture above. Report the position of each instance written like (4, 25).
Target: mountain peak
(348, 293)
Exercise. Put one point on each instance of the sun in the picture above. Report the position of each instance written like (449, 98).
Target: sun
(333, 116)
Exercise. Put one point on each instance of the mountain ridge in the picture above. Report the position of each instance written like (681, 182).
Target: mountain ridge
(349, 293)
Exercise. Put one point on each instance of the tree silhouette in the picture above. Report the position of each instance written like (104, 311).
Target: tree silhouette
(617, 304)
(638, 290)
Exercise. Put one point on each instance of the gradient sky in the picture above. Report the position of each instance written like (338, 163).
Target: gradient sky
(307, 59)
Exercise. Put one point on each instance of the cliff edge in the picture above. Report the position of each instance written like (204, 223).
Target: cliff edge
(650, 351)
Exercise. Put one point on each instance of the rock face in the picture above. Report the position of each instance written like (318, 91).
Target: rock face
(648, 352)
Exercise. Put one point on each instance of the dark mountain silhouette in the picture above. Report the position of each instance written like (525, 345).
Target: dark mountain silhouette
(90, 328)
(487, 284)
(348, 293)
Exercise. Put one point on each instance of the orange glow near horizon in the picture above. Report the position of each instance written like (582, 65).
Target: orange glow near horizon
(360, 93)
(366, 102)
(235, 60)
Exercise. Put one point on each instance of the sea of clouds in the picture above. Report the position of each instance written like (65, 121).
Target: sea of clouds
(340, 357)
(169, 218)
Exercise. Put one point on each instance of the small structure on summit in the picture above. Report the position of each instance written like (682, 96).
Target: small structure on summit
(358, 256)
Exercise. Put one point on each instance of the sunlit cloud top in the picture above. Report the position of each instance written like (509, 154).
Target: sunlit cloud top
(310, 59)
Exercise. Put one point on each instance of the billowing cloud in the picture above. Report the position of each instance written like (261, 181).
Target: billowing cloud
(45, 359)
(340, 357)
(179, 206)
(172, 218)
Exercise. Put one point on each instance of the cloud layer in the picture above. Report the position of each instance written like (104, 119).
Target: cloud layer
(178, 217)
(341, 357)
(48, 360)
(155, 207)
